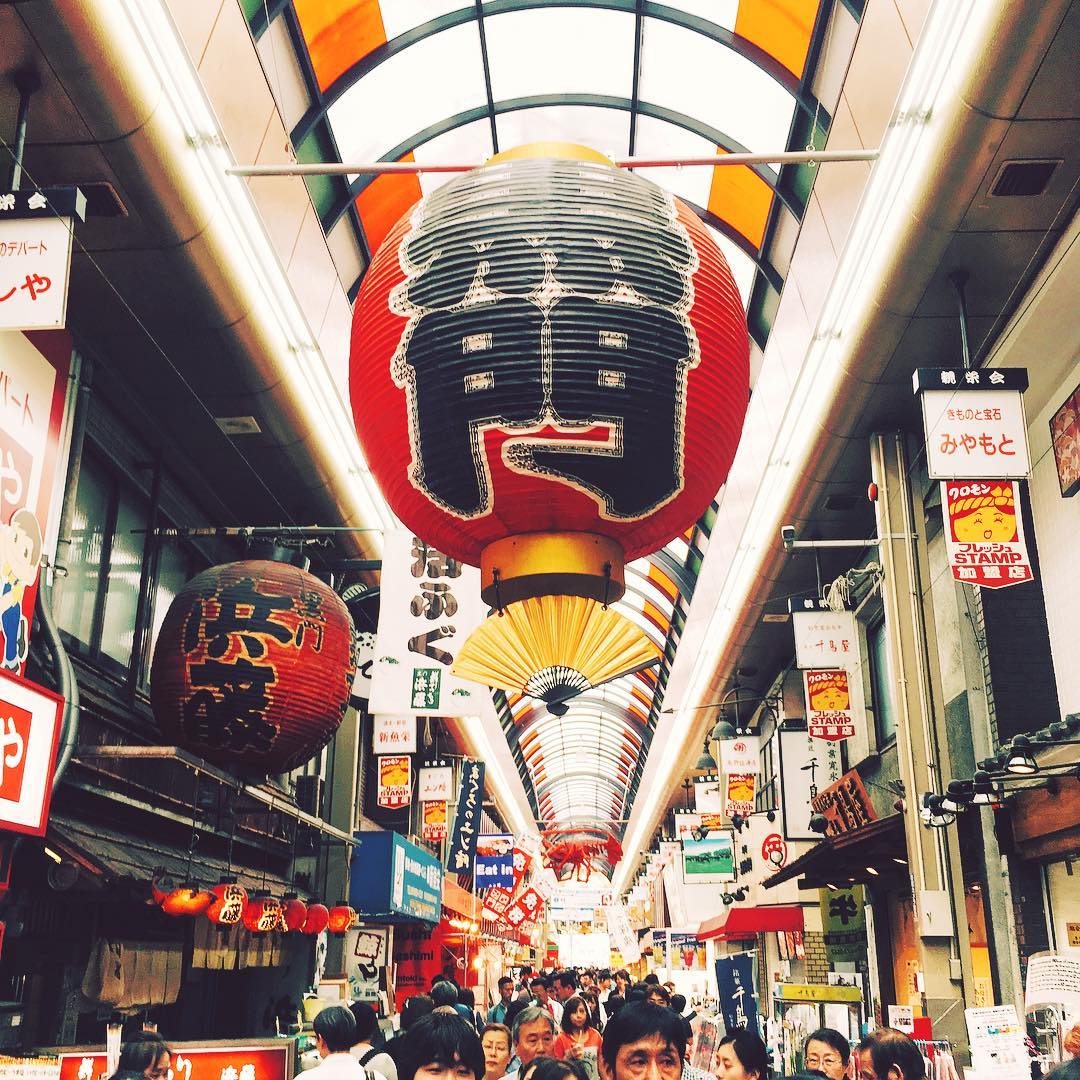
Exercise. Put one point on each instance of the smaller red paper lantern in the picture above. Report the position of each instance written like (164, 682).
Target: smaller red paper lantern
(294, 912)
(228, 906)
(341, 918)
(262, 913)
(187, 899)
(318, 918)
(161, 884)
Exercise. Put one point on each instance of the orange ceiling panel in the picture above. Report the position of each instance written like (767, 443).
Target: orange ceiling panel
(663, 582)
(339, 33)
(741, 198)
(384, 201)
(781, 27)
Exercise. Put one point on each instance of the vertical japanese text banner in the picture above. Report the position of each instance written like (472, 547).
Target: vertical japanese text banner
(430, 605)
(459, 859)
(735, 985)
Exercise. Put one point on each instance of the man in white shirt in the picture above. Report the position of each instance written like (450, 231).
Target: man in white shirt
(541, 991)
(335, 1033)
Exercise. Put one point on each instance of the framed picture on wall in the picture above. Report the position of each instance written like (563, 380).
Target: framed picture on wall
(1065, 436)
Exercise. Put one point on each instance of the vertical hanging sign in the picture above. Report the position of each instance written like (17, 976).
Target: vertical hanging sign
(430, 605)
(984, 532)
(395, 781)
(834, 705)
(433, 795)
(824, 638)
(393, 734)
(459, 859)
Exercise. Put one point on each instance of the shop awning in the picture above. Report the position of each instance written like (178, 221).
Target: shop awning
(747, 922)
(459, 900)
(875, 851)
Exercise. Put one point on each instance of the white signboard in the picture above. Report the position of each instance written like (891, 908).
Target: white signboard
(430, 605)
(975, 434)
(902, 1017)
(366, 952)
(364, 651)
(393, 734)
(807, 766)
(1053, 979)
(825, 639)
(435, 783)
(998, 1051)
(739, 756)
(35, 257)
(708, 798)
(622, 937)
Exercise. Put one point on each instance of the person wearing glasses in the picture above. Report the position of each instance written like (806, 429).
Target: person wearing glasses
(147, 1054)
(827, 1051)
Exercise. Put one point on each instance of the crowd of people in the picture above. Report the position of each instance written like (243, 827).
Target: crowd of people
(568, 1026)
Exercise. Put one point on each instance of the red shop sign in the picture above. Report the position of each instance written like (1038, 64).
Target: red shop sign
(213, 1061)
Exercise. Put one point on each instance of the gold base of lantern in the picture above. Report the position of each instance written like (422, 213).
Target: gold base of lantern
(551, 564)
(554, 648)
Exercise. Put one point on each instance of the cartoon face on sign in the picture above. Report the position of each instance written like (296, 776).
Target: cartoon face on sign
(563, 340)
(987, 515)
(20, 556)
(830, 693)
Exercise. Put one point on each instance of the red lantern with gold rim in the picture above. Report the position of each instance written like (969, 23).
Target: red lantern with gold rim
(227, 908)
(253, 665)
(340, 918)
(549, 370)
(293, 912)
(187, 899)
(317, 920)
(262, 912)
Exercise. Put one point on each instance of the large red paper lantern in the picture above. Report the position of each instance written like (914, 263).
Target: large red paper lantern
(318, 919)
(253, 666)
(227, 907)
(341, 918)
(293, 913)
(262, 913)
(549, 371)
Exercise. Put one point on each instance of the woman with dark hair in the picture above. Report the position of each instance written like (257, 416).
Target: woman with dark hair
(441, 1047)
(826, 1051)
(578, 1034)
(545, 1068)
(147, 1053)
(742, 1056)
(593, 1005)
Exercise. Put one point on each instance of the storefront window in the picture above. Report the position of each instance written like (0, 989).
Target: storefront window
(82, 558)
(884, 712)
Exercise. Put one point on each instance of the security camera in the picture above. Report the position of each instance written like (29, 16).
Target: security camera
(787, 534)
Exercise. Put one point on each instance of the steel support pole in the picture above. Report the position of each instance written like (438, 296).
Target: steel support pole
(941, 924)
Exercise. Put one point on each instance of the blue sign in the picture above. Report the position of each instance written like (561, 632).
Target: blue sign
(393, 879)
(459, 858)
(495, 861)
(735, 983)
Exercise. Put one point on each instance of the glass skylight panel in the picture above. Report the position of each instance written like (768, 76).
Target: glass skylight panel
(695, 75)
(659, 139)
(605, 130)
(552, 50)
(678, 548)
(720, 12)
(742, 266)
(396, 100)
(401, 15)
(469, 144)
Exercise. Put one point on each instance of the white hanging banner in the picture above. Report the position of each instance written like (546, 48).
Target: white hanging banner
(430, 604)
(622, 937)
(739, 756)
(393, 734)
(707, 796)
(825, 638)
(807, 765)
(435, 782)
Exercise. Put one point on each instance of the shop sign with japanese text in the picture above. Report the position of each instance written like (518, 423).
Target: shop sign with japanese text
(974, 422)
(33, 391)
(688, 825)
(433, 815)
(843, 918)
(845, 805)
(623, 939)
(459, 859)
(707, 797)
(430, 605)
(808, 766)
(395, 781)
(497, 900)
(36, 234)
(526, 910)
(366, 958)
(494, 861)
(252, 1061)
(834, 705)
(434, 782)
(735, 985)
(740, 789)
(29, 733)
(393, 734)
(984, 532)
(740, 756)
(824, 638)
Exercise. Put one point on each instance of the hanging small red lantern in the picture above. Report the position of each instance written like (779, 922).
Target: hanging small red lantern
(293, 912)
(228, 906)
(161, 884)
(549, 371)
(340, 918)
(187, 899)
(318, 918)
(253, 665)
(262, 912)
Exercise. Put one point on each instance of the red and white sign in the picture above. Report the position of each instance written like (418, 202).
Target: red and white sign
(527, 909)
(393, 734)
(825, 639)
(834, 705)
(253, 1061)
(35, 254)
(497, 901)
(395, 781)
(975, 432)
(740, 789)
(33, 389)
(774, 851)
(433, 815)
(29, 733)
(739, 756)
(984, 532)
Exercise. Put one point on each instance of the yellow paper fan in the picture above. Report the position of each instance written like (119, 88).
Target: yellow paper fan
(554, 648)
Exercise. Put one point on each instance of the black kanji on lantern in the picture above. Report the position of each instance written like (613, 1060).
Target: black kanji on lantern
(551, 295)
(229, 709)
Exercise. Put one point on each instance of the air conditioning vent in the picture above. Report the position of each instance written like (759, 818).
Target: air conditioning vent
(838, 503)
(238, 425)
(102, 201)
(1023, 178)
